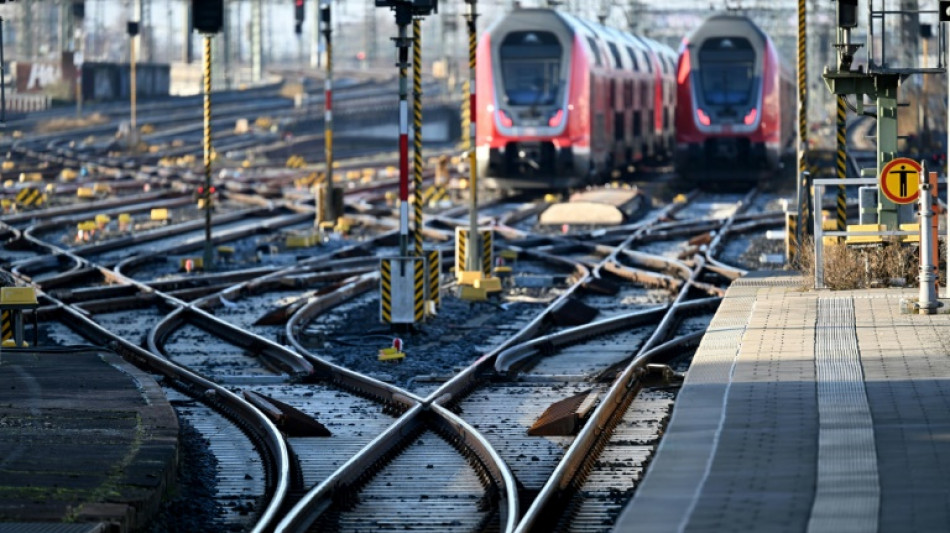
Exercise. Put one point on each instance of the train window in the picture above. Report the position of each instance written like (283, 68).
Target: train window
(727, 72)
(531, 68)
(646, 58)
(594, 50)
(633, 57)
(616, 53)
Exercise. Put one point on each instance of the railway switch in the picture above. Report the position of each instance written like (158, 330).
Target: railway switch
(402, 290)
(475, 283)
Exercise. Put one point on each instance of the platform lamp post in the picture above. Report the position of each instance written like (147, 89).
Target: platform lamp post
(208, 19)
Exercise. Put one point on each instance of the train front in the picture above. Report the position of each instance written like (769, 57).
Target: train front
(728, 107)
(529, 132)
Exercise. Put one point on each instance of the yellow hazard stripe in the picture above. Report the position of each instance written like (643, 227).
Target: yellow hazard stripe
(386, 296)
(486, 252)
(460, 245)
(6, 325)
(434, 270)
(840, 162)
(419, 285)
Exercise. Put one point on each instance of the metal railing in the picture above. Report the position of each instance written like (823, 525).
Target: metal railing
(820, 233)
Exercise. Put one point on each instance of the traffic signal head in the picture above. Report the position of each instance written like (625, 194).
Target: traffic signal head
(298, 11)
(847, 13)
(79, 9)
(207, 15)
(418, 7)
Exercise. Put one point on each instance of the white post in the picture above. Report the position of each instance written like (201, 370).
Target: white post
(927, 300)
(819, 238)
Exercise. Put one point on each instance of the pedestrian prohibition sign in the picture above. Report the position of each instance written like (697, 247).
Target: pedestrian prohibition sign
(900, 180)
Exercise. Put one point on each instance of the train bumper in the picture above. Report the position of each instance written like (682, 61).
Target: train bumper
(725, 152)
(531, 165)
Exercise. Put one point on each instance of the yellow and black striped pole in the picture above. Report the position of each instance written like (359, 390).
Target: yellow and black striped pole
(802, 196)
(466, 124)
(207, 149)
(417, 131)
(472, 262)
(840, 164)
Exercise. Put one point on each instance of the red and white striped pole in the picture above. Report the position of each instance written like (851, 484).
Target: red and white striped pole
(403, 19)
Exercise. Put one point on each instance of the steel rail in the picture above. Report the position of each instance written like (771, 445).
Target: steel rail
(618, 398)
(277, 459)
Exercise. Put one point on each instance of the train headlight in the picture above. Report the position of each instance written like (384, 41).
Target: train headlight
(749, 119)
(703, 117)
(505, 119)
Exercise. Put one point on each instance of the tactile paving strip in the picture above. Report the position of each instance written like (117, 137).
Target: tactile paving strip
(848, 491)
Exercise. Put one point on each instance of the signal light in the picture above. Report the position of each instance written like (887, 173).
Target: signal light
(207, 15)
(703, 117)
(298, 11)
(555, 120)
(750, 116)
(847, 13)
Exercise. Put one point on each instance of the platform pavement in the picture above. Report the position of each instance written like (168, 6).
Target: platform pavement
(809, 411)
(85, 438)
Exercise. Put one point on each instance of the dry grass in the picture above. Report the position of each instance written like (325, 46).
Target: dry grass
(62, 124)
(858, 268)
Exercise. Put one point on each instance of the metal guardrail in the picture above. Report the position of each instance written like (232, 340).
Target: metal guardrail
(819, 191)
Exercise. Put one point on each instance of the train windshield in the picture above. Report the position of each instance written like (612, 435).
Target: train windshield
(531, 67)
(727, 71)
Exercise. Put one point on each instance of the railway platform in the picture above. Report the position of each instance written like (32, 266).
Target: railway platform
(807, 411)
(87, 441)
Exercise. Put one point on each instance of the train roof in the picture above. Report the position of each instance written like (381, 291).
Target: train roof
(566, 24)
(729, 25)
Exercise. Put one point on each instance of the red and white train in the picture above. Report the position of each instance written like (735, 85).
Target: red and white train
(735, 99)
(563, 102)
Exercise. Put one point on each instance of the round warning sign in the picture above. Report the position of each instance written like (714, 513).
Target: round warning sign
(900, 180)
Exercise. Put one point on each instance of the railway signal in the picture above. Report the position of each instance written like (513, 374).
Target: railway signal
(208, 19)
(207, 15)
(298, 16)
(402, 278)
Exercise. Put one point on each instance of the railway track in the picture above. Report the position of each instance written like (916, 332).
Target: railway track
(535, 411)
(396, 441)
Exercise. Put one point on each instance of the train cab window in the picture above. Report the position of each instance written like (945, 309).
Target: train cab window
(594, 50)
(633, 58)
(618, 64)
(531, 68)
(727, 76)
